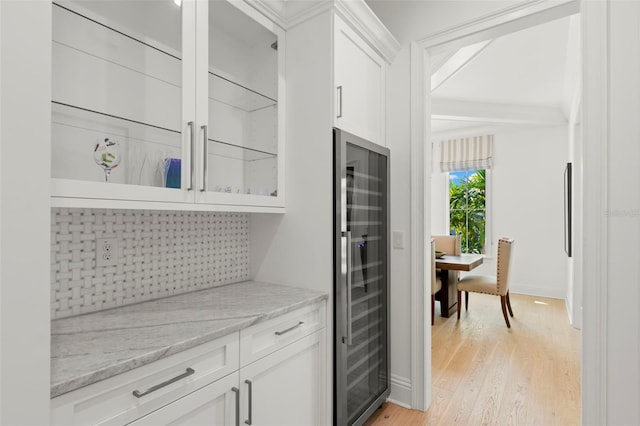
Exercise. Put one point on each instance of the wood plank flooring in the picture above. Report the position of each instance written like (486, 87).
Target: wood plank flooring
(486, 374)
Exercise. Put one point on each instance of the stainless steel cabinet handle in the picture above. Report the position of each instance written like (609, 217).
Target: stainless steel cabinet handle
(280, 333)
(339, 102)
(349, 338)
(248, 421)
(192, 140)
(187, 373)
(237, 392)
(205, 151)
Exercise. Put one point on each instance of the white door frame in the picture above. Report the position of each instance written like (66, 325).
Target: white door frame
(523, 15)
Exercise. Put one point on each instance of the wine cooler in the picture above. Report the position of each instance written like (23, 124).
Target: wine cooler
(361, 278)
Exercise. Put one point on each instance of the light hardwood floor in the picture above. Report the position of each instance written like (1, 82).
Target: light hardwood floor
(486, 374)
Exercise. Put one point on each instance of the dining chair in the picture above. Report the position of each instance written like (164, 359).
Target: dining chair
(497, 286)
(449, 244)
(436, 283)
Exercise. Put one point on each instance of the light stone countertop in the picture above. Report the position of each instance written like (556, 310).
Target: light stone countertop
(88, 348)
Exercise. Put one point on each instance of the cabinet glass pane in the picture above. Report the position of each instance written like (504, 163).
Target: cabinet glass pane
(242, 104)
(116, 92)
(366, 362)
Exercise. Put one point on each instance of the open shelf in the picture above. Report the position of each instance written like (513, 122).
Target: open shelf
(230, 93)
(75, 131)
(237, 152)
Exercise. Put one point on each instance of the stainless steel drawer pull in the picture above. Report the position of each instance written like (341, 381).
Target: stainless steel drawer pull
(249, 421)
(187, 373)
(280, 333)
(237, 392)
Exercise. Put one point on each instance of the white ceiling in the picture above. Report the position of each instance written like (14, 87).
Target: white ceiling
(529, 73)
(526, 67)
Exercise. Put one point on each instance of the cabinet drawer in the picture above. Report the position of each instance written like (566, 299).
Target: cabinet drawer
(112, 401)
(214, 404)
(269, 336)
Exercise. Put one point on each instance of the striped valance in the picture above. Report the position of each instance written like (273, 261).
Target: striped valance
(466, 153)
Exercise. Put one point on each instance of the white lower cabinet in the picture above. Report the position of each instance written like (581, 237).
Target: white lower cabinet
(280, 380)
(286, 387)
(129, 396)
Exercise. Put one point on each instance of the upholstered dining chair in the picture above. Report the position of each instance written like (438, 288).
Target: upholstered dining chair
(436, 283)
(449, 244)
(497, 286)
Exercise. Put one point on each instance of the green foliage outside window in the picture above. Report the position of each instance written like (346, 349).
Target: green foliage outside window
(467, 208)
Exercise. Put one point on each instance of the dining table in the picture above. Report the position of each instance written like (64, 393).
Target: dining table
(448, 265)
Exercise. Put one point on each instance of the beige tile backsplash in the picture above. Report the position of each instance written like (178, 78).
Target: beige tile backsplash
(159, 254)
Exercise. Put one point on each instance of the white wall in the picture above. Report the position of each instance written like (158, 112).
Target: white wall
(526, 203)
(612, 213)
(25, 57)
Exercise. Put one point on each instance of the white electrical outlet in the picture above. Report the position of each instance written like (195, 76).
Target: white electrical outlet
(106, 251)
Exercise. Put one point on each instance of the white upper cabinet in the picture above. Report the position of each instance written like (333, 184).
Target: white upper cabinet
(241, 159)
(359, 77)
(159, 106)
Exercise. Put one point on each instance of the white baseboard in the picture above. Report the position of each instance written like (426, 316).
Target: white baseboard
(529, 290)
(400, 391)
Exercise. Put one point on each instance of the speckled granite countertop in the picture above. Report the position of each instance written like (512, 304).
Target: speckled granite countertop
(92, 347)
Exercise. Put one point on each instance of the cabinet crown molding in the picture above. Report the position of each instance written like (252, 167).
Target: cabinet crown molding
(288, 14)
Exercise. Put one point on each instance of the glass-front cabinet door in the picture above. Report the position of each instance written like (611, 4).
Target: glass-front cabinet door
(240, 118)
(119, 103)
(139, 86)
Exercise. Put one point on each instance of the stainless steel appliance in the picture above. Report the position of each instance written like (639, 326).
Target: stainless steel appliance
(361, 278)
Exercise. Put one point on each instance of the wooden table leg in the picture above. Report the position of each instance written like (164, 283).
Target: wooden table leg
(447, 295)
(453, 293)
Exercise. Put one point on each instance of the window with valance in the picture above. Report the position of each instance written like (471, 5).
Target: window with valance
(466, 161)
(471, 153)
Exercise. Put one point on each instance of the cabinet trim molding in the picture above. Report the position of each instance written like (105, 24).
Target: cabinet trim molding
(288, 14)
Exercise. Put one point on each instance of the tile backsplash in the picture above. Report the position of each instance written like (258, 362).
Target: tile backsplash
(159, 254)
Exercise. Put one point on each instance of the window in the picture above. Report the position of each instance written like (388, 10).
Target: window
(468, 208)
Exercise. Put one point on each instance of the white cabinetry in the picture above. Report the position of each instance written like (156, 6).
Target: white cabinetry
(280, 379)
(286, 387)
(359, 77)
(283, 373)
(193, 100)
(113, 402)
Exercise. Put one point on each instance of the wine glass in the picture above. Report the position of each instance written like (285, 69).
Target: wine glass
(107, 155)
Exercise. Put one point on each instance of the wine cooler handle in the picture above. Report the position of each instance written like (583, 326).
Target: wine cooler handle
(192, 142)
(205, 152)
(237, 392)
(249, 420)
(339, 88)
(349, 338)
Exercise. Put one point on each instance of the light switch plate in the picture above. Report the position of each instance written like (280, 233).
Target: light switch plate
(398, 239)
(106, 252)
